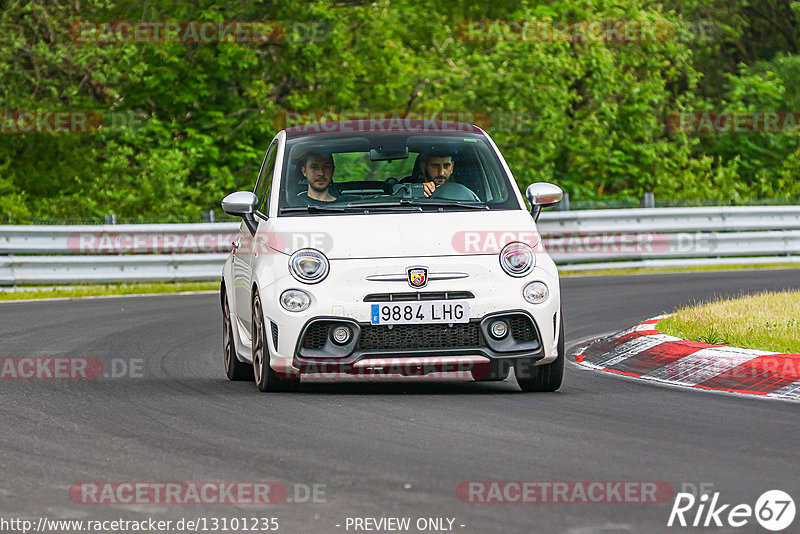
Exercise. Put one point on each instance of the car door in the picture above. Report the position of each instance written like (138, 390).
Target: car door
(246, 245)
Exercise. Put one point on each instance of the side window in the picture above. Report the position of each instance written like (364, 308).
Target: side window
(497, 192)
(265, 177)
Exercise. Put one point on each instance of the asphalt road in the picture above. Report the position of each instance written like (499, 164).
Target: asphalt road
(380, 450)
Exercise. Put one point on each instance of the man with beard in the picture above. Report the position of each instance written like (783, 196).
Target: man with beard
(435, 170)
(318, 169)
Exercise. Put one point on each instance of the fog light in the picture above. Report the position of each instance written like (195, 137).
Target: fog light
(498, 329)
(341, 335)
(294, 300)
(536, 292)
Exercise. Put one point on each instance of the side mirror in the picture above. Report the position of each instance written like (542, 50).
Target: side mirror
(242, 204)
(543, 195)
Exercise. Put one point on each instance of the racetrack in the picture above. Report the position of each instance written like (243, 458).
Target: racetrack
(396, 449)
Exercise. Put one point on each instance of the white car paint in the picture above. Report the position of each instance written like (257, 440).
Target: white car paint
(357, 247)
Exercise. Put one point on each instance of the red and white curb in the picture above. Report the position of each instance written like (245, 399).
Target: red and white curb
(644, 352)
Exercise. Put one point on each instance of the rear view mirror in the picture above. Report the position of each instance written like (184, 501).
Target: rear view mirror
(242, 204)
(543, 195)
(388, 153)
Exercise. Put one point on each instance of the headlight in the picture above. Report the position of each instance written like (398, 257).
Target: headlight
(517, 259)
(536, 292)
(309, 265)
(295, 300)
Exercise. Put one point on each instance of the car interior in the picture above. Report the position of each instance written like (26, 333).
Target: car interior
(472, 179)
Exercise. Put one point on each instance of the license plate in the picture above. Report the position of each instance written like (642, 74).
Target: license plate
(433, 312)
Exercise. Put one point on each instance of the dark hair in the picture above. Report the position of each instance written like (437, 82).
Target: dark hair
(305, 158)
(424, 156)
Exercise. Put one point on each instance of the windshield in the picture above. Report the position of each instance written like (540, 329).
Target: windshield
(369, 173)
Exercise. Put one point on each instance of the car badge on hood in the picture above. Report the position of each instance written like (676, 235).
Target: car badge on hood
(417, 276)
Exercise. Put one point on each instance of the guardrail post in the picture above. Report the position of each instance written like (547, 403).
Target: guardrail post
(564, 206)
(111, 218)
(649, 200)
(208, 216)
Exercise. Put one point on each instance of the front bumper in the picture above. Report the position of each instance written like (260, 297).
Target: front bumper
(316, 351)
(340, 299)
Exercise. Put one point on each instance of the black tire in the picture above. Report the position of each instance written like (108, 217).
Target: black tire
(496, 371)
(235, 369)
(266, 379)
(544, 377)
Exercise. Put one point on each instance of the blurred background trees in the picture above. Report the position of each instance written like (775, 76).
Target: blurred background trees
(195, 118)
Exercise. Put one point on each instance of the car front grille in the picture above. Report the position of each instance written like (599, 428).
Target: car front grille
(430, 336)
(522, 328)
(418, 295)
(274, 329)
(316, 336)
(375, 338)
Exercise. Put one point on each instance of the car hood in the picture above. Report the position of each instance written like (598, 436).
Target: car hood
(402, 235)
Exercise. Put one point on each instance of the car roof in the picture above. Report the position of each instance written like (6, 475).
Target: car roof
(382, 126)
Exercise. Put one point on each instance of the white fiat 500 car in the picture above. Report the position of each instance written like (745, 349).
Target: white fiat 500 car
(390, 247)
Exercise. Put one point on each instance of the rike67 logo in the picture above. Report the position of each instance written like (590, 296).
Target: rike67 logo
(774, 510)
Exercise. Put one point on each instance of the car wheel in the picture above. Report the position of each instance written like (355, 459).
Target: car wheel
(266, 378)
(234, 369)
(496, 371)
(544, 377)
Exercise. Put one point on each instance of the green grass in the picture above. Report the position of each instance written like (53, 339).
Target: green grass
(96, 290)
(566, 273)
(767, 321)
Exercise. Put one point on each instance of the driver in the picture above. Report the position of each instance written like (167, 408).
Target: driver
(435, 171)
(318, 169)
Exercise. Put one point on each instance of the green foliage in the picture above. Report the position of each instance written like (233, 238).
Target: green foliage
(589, 115)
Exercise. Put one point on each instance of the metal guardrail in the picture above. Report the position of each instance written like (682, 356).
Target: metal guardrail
(671, 220)
(31, 270)
(577, 240)
(112, 238)
(667, 237)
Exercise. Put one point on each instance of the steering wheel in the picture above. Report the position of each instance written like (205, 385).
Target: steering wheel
(455, 191)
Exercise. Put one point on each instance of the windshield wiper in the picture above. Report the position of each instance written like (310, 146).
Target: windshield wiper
(421, 204)
(311, 208)
(415, 205)
(366, 205)
(450, 203)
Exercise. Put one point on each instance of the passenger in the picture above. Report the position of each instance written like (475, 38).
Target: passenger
(318, 169)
